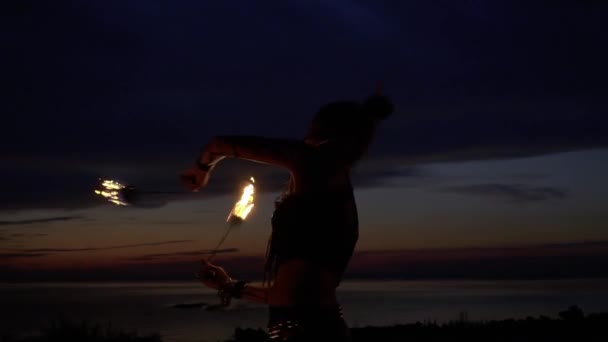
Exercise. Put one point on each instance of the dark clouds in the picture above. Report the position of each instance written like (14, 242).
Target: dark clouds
(197, 253)
(20, 235)
(15, 237)
(40, 252)
(9, 256)
(136, 88)
(514, 193)
(41, 220)
(382, 176)
(104, 248)
(568, 260)
(565, 260)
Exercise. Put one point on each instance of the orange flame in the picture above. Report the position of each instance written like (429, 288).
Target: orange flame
(243, 207)
(111, 191)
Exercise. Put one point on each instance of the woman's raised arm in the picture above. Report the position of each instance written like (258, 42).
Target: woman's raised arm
(284, 153)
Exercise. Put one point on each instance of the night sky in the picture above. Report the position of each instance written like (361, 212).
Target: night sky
(494, 163)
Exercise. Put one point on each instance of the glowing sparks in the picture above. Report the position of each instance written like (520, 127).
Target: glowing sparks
(112, 191)
(243, 207)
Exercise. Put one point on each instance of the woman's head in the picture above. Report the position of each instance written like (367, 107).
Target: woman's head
(349, 126)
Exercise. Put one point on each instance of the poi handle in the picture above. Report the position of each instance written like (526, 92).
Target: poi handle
(210, 274)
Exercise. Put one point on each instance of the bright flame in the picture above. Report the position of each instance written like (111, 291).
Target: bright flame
(111, 191)
(243, 207)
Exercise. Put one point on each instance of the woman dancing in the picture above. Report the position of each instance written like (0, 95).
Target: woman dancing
(314, 225)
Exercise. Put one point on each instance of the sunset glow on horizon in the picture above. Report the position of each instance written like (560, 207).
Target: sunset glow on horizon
(433, 212)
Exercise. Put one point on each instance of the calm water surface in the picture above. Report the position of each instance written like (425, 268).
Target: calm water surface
(148, 307)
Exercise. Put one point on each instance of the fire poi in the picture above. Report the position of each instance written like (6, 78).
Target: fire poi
(123, 195)
(243, 207)
(238, 214)
(115, 192)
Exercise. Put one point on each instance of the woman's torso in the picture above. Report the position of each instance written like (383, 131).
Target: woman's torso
(315, 229)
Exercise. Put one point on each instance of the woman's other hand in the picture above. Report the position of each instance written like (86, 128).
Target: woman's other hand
(213, 276)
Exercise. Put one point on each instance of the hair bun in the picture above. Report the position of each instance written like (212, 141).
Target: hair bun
(378, 106)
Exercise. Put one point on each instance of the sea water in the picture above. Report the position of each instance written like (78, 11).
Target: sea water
(149, 307)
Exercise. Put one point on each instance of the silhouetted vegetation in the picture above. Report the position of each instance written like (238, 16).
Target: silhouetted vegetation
(63, 330)
(572, 326)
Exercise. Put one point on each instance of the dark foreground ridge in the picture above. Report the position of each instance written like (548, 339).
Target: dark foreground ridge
(69, 331)
(571, 326)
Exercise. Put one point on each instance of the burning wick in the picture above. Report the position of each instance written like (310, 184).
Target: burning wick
(243, 207)
(238, 214)
(124, 195)
(114, 192)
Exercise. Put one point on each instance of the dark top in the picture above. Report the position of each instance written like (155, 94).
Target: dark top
(321, 228)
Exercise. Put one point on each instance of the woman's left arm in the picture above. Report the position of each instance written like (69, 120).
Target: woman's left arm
(284, 153)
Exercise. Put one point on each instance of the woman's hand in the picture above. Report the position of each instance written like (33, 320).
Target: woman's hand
(213, 276)
(195, 178)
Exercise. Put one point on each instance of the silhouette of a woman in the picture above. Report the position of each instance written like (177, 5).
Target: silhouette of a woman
(315, 223)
